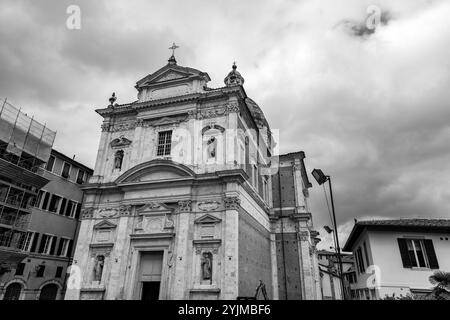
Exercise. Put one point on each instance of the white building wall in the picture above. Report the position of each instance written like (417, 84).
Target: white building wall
(392, 277)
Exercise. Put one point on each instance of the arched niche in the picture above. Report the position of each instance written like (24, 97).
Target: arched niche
(213, 145)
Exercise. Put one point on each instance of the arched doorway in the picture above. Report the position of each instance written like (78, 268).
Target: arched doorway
(49, 292)
(13, 291)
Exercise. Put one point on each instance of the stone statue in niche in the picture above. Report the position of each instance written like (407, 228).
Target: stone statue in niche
(118, 158)
(98, 267)
(206, 265)
(211, 145)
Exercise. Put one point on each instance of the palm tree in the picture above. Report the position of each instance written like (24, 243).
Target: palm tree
(441, 282)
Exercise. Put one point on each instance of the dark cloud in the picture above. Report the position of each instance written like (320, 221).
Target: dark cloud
(362, 28)
(373, 114)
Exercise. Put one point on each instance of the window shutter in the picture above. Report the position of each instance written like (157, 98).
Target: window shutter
(52, 248)
(404, 253)
(431, 254)
(35, 242)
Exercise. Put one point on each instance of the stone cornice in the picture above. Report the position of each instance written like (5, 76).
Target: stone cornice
(135, 107)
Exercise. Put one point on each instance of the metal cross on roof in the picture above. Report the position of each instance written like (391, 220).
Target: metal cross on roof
(173, 47)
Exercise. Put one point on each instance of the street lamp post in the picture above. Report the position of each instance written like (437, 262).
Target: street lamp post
(321, 178)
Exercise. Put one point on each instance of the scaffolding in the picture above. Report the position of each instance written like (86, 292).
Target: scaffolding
(23, 141)
(25, 145)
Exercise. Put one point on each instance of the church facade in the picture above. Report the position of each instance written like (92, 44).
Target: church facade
(189, 201)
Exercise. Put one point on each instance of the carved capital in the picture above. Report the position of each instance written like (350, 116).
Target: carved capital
(304, 235)
(185, 206)
(87, 213)
(125, 210)
(139, 123)
(192, 114)
(105, 127)
(232, 202)
(232, 107)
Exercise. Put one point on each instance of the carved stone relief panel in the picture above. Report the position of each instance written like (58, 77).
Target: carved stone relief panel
(208, 205)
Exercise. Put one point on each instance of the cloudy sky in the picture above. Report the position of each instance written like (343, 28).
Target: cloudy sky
(369, 106)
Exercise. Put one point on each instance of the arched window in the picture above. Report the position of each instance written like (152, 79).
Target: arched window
(13, 291)
(49, 292)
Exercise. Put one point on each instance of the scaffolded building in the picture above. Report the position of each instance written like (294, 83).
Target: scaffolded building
(25, 145)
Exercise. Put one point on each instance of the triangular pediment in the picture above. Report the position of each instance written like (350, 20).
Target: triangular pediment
(105, 224)
(207, 218)
(154, 207)
(170, 75)
(171, 72)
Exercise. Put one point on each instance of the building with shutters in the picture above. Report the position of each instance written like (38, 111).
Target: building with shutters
(188, 201)
(396, 256)
(52, 231)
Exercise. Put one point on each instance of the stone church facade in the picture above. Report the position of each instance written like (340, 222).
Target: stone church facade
(188, 201)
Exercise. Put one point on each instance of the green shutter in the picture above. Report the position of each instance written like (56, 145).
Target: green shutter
(404, 253)
(431, 254)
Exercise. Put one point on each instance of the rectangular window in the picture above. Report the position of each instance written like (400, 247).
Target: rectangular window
(40, 271)
(46, 244)
(366, 253)
(50, 164)
(62, 207)
(80, 176)
(45, 202)
(37, 204)
(66, 170)
(58, 272)
(69, 248)
(73, 210)
(254, 175)
(54, 203)
(361, 266)
(164, 143)
(266, 188)
(28, 241)
(416, 252)
(69, 207)
(241, 154)
(20, 269)
(78, 211)
(63, 247)
(34, 245)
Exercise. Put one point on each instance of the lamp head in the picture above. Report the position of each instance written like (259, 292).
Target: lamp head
(320, 177)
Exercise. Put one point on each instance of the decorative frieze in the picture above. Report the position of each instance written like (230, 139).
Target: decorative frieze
(208, 205)
(121, 126)
(219, 111)
(231, 202)
(109, 212)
